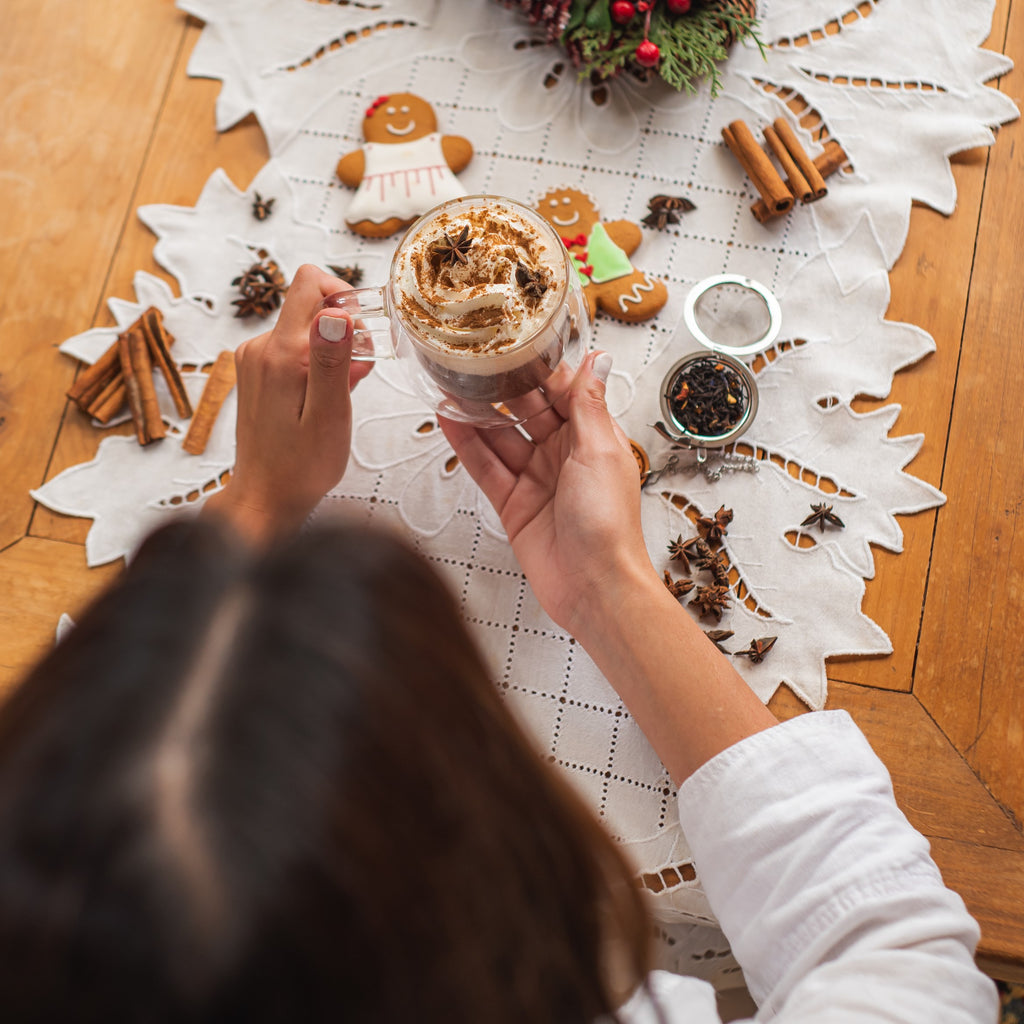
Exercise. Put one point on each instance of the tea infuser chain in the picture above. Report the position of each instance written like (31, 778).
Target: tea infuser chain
(712, 463)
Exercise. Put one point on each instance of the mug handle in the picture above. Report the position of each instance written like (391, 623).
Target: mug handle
(370, 341)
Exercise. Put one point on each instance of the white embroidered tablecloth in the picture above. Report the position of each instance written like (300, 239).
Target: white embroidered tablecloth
(308, 70)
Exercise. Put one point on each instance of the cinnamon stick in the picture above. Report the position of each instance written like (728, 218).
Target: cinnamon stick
(138, 381)
(109, 401)
(800, 157)
(159, 342)
(832, 159)
(758, 167)
(218, 387)
(99, 390)
(95, 378)
(795, 181)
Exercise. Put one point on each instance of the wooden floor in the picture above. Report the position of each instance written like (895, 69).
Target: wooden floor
(100, 117)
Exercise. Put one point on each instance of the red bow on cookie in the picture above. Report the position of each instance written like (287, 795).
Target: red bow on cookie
(375, 104)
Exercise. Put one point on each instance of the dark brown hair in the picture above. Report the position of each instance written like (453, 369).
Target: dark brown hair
(283, 789)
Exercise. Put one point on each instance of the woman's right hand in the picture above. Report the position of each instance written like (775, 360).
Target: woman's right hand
(568, 496)
(294, 411)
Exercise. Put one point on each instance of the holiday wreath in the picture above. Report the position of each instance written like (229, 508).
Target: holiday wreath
(683, 41)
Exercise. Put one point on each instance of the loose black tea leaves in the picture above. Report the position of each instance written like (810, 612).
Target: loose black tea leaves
(707, 398)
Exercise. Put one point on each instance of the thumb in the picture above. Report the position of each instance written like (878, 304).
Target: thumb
(330, 359)
(588, 411)
(593, 428)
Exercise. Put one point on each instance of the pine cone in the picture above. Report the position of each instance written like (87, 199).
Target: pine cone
(735, 7)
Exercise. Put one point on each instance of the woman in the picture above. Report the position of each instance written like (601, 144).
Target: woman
(277, 786)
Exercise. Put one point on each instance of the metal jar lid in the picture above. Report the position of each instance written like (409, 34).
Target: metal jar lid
(701, 288)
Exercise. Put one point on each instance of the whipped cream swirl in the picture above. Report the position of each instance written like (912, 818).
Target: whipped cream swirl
(491, 292)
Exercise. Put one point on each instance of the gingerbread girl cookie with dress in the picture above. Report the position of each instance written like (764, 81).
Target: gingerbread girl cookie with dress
(405, 167)
(601, 254)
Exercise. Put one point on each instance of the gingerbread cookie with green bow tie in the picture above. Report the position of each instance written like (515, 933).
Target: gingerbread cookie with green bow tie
(601, 250)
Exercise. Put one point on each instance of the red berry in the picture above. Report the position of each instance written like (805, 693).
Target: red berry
(647, 54)
(678, 6)
(643, 7)
(623, 11)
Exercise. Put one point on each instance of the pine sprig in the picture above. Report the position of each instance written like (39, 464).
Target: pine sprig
(691, 45)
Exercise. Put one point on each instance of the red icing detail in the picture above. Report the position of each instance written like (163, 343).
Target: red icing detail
(375, 104)
(582, 255)
(588, 270)
(578, 240)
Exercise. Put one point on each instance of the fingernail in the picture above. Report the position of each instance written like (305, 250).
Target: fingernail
(333, 328)
(602, 366)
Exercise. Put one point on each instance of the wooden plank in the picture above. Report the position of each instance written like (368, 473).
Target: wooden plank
(930, 283)
(186, 149)
(39, 581)
(991, 883)
(929, 289)
(82, 84)
(970, 673)
(934, 786)
(976, 845)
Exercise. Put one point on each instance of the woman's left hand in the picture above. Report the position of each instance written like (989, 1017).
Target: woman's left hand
(294, 427)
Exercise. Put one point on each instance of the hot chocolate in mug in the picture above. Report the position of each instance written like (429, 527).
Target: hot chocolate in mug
(482, 307)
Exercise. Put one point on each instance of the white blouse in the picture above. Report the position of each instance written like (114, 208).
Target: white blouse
(829, 897)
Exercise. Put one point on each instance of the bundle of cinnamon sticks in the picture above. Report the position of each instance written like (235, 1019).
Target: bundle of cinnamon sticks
(124, 373)
(805, 178)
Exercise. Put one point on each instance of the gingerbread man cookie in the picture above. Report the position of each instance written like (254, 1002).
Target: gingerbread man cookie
(601, 253)
(405, 167)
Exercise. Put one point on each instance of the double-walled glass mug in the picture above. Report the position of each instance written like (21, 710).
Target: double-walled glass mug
(482, 307)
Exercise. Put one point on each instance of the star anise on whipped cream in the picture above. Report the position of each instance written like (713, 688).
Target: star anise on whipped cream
(530, 281)
(452, 251)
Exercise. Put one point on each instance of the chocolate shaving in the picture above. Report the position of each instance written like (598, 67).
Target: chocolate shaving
(530, 281)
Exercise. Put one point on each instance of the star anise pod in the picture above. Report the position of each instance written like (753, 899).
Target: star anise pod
(261, 287)
(701, 553)
(678, 551)
(718, 566)
(350, 275)
(452, 251)
(530, 281)
(665, 210)
(718, 637)
(715, 527)
(711, 600)
(757, 649)
(822, 514)
(262, 208)
(678, 587)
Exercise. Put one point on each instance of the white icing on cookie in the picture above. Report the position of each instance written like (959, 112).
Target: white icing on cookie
(647, 285)
(403, 180)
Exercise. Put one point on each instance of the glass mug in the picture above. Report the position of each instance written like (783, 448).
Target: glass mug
(482, 307)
